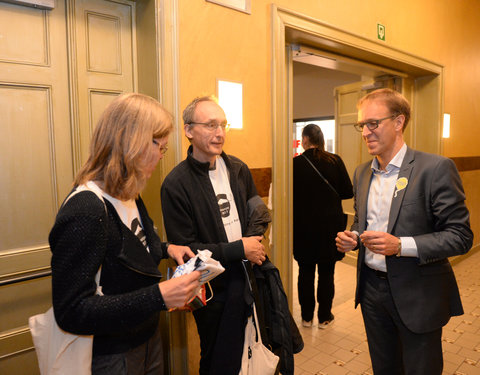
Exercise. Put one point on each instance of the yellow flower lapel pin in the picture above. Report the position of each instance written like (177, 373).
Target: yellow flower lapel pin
(401, 184)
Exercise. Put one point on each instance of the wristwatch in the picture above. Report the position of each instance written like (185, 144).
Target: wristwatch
(399, 252)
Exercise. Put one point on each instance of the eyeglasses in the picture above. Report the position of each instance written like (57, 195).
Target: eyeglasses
(213, 125)
(163, 149)
(371, 124)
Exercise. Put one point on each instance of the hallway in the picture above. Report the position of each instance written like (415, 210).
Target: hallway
(342, 348)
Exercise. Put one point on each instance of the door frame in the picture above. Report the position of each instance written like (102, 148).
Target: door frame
(426, 95)
(164, 29)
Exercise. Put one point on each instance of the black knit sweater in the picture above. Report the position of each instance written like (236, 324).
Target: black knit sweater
(84, 237)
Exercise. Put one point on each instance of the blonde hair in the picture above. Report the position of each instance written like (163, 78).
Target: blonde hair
(121, 143)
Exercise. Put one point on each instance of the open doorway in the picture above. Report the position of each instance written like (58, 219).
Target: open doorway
(314, 102)
(423, 86)
(326, 88)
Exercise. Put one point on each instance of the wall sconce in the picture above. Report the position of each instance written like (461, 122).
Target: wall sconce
(446, 125)
(230, 98)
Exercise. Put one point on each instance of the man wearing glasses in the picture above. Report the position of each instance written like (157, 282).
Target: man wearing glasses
(204, 203)
(410, 216)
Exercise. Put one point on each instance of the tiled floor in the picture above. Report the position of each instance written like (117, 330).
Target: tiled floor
(342, 349)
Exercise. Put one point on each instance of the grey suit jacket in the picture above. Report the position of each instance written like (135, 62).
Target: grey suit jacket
(431, 209)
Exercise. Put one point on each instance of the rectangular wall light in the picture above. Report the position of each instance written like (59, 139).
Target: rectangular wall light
(230, 98)
(446, 125)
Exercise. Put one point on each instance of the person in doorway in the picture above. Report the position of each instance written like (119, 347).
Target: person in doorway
(410, 216)
(320, 182)
(205, 206)
(103, 224)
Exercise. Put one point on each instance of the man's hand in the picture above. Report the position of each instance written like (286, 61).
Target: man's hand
(178, 291)
(380, 242)
(254, 250)
(346, 241)
(180, 253)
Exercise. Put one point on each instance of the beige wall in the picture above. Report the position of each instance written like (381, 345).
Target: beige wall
(220, 43)
(217, 42)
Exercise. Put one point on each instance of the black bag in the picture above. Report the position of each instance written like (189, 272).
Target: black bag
(277, 327)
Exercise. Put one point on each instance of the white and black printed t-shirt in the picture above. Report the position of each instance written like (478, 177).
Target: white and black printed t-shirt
(226, 203)
(128, 213)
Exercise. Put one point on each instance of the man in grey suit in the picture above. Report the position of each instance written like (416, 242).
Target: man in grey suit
(410, 216)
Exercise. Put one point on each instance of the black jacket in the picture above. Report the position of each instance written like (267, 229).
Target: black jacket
(280, 332)
(317, 210)
(190, 207)
(192, 217)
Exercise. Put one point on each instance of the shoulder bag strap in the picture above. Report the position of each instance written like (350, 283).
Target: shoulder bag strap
(91, 186)
(321, 175)
(252, 283)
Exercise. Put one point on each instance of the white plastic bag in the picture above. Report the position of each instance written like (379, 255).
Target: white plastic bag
(203, 262)
(209, 269)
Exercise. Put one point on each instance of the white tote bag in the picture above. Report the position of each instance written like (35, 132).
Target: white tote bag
(256, 358)
(60, 352)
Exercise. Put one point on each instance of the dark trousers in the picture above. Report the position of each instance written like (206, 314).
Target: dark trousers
(208, 320)
(394, 349)
(146, 359)
(325, 289)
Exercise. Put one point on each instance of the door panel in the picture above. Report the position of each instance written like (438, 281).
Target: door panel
(29, 125)
(36, 161)
(98, 101)
(350, 145)
(105, 60)
(26, 27)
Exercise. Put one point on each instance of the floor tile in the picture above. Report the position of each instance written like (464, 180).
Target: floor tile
(342, 348)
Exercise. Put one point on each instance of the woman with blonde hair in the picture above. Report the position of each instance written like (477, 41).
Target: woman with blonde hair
(103, 228)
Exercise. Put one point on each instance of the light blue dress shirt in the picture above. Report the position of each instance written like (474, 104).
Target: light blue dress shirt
(380, 197)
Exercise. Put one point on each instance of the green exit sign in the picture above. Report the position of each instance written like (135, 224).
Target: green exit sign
(380, 31)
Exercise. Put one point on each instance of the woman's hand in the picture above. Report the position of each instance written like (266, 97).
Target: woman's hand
(178, 291)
